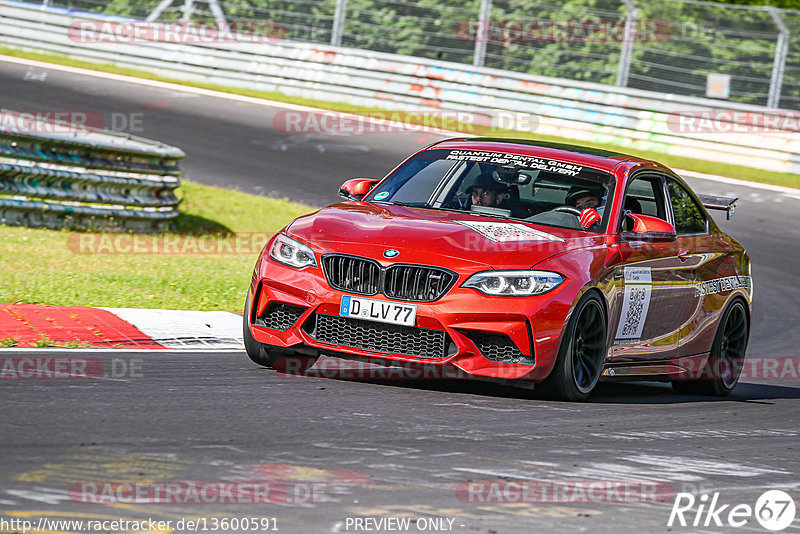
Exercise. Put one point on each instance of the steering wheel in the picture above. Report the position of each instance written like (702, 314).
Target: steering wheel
(569, 209)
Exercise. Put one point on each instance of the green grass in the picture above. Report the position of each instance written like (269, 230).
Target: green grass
(44, 341)
(678, 162)
(48, 267)
(76, 345)
(9, 342)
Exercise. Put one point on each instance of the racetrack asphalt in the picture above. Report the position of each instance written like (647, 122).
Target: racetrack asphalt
(400, 448)
(234, 144)
(379, 449)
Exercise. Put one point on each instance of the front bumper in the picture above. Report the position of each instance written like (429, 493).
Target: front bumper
(492, 337)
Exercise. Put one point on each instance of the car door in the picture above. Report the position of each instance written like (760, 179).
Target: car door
(653, 296)
(696, 252)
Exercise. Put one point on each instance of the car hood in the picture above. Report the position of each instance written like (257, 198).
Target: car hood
(459, 241)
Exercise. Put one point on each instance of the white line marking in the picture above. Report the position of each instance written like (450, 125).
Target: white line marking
(793, 192)
(218, 94)
(743, 183)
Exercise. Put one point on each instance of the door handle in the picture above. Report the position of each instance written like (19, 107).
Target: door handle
(683, 254)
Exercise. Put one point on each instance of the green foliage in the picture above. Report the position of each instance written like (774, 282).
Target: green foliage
(44, 341)
(9, 342)
(109, 273)
(783, 4)
(693, 39)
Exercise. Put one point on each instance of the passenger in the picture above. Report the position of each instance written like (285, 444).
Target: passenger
(488, 192)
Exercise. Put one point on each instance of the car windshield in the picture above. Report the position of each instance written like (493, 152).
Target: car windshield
(496, 184)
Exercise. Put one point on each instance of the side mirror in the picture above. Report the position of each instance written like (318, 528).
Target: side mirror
(649, 229)
(356, 188)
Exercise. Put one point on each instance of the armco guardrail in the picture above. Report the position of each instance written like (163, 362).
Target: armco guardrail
(86, 180)
(585, 112)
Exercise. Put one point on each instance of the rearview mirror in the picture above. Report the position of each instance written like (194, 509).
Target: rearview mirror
(356, 188)
(648, 229)
(511, 175)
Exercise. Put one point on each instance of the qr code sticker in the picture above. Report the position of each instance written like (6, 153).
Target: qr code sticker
(634, 311)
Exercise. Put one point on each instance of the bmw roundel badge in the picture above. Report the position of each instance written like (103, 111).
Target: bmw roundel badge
(391, 253)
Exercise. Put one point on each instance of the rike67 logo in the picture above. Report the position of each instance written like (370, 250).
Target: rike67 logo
(774, 510)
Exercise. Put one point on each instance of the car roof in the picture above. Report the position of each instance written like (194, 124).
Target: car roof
(603, 160)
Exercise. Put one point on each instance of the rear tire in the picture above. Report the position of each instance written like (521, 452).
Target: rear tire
(581, 355)
(721, 372)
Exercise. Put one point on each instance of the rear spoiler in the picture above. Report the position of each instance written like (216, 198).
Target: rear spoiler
(713, 202)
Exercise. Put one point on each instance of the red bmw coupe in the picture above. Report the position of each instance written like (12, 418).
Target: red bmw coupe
(530, 262)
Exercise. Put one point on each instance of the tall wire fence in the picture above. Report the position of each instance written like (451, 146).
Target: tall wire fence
(669, 46)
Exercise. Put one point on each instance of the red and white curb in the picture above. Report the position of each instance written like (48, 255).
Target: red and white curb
(180, 329)
(32, 326)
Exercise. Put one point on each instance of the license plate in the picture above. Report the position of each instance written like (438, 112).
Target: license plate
(378, 310)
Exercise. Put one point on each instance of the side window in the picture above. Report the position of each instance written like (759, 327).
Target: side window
(689, 217)
(644, 196)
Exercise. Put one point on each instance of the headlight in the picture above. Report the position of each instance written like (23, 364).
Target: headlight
(289, 252)
(514, 283)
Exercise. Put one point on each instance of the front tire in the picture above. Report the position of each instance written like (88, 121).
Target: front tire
(582, 353)
(257, 352)
(721, 372)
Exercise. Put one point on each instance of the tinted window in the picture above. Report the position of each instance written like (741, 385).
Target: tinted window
(689, 217)
(642, 197)
(538, 190)
(426, 176)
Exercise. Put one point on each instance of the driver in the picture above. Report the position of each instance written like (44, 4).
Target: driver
(589, 201)
(488, 192)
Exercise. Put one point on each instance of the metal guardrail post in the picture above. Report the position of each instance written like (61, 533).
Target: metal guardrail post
(338, 22)
(778, 66)
(216, 10)
(482, 35)
(160, 8)
(187, 10)
(564, 108)
(626, 53)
